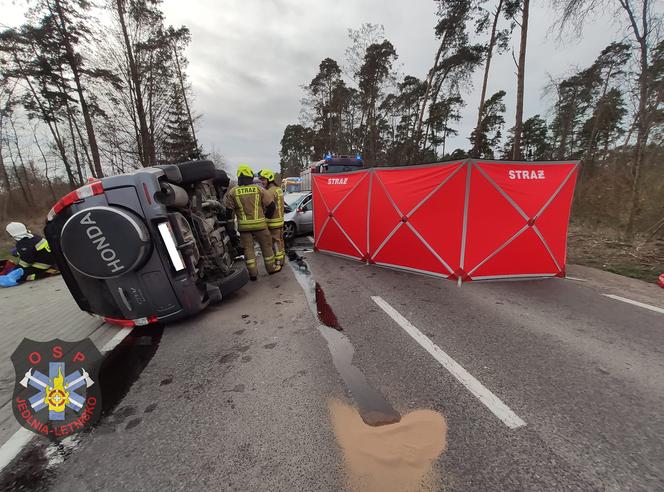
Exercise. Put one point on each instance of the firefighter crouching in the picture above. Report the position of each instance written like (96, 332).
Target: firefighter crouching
(33, 252)
(276, 223)
(252, 205)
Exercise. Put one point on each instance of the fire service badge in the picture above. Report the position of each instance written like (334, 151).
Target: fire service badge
(57, 392)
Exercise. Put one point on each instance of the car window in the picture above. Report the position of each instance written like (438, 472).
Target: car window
(308, 206)
(292, 200)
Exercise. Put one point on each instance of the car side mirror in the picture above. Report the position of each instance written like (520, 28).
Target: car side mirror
(300, 210)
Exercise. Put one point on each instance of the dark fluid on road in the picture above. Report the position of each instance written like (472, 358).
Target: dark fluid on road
(123, 366)
(324, 311)
(373, 407)
(35, 468)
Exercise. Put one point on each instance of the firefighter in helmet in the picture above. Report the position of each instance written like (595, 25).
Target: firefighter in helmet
(33, 252)
(276, 223)
(252, 206)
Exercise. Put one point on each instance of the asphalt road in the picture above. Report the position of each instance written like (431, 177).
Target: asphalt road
(255, 394)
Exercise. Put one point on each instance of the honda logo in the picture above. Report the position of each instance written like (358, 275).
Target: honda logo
(96, 235)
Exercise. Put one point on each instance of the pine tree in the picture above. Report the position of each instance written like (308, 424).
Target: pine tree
(179, 144)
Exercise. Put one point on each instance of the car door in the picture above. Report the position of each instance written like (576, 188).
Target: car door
(306, 216)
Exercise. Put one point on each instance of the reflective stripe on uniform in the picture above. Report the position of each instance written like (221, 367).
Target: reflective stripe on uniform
(250, 261)
(43, 244)
(40, 266)
(257, 203)
(277, 195)
(241, 215)
(251, 225)
(255, 222)
(279, 256)
(275, 223)
(31, 277)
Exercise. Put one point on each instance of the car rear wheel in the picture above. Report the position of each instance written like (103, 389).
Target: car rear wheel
(289, 230)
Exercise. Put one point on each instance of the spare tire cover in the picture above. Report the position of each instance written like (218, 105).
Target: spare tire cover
(104, 242)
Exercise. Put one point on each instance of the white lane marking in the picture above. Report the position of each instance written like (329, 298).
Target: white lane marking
(636, 303)
(10, 449)
(13, 446)
(576, 279)
(311, 239)
(115, 341)
(491, 401)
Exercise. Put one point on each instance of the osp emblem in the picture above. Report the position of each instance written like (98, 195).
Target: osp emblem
(57, 391)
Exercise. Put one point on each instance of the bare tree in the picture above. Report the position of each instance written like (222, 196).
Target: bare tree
(69, 31)
(521, 73)
(644, 21)
(147, 142)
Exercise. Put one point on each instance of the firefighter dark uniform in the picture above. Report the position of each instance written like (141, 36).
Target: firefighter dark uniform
(276, 223)
(247, 202)
(33, 251)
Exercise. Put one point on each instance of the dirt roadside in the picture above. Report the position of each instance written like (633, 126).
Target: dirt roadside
(606, 250)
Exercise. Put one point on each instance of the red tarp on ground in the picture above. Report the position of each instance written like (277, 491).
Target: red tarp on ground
(468, 220)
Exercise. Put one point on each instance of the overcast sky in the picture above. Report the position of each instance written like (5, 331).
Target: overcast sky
(248, 59)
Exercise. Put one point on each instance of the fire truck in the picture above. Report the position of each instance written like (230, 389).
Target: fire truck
(330, 164)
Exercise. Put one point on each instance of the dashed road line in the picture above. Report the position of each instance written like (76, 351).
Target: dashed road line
(635, 303)
(491, 401)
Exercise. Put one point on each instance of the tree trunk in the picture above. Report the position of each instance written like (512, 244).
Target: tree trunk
(3, 170)
(592, 146)
(642, 122)
(52, 125)
(73, 64)
(186, 101)
(147, 144)
(425, 98)
(23, 186)
(3, 173)
(516, 151)
(487, 67)
(48, 179)
(77, 160)
(88, 160)
(641, 140)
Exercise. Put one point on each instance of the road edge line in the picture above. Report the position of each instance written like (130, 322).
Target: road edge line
(635, 303)
(491, 401)
(13, 446)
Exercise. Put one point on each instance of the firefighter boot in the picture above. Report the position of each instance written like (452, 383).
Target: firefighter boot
(247, 241)
(265, 242)
(278, 244)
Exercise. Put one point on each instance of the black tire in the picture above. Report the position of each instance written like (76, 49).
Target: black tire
(290, 230)
(195, 171)
(172, 173)
(221, 178)
(236, 279)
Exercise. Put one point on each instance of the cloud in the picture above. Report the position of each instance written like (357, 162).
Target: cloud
(249, 58)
